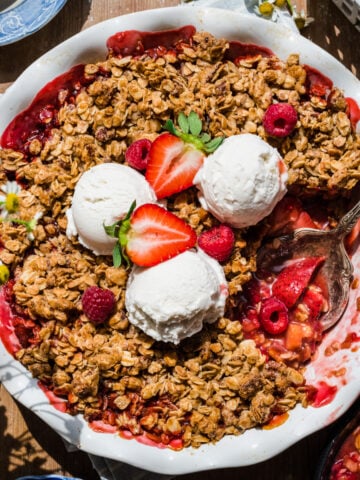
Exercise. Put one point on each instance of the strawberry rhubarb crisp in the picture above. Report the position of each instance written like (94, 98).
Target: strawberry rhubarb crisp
(136, 192)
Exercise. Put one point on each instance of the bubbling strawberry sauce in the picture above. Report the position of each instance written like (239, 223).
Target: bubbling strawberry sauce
(135, 42)
(317, 83)
(37, 121)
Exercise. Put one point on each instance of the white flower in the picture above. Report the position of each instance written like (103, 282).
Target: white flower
(301, 19)
(267, 9)
(9, 199)
(10, 187)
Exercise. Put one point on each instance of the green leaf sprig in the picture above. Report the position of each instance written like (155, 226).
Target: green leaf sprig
(29, 225)
(190, 128)
(119, 230)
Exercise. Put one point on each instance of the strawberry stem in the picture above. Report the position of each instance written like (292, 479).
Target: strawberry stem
(190, 132)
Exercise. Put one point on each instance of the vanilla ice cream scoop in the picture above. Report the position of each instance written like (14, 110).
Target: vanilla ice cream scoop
(102, 196)
(242, 181)
(172, 300)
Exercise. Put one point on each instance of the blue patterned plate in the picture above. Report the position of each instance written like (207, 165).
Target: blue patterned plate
(21, 18)
(46, 477)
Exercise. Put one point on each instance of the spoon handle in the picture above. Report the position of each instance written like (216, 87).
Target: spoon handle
(348, 221)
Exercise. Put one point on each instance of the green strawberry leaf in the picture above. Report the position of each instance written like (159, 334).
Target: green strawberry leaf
(130, 211)
(111, 230)
(211, 146)
(195, 124)
(183, 122)
(205, 137)
(117, 256)
(169, 126)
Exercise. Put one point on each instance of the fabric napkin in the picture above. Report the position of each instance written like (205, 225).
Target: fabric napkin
(110, 469)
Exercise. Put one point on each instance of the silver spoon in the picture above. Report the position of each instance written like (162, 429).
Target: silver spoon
(337, 268)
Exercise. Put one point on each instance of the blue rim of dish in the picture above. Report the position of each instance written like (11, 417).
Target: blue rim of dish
(26, 17)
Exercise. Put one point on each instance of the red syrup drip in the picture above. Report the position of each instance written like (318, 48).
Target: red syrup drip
(54, 400)
(175, 444)
(102, 427)
(324, 394)
(7, 331)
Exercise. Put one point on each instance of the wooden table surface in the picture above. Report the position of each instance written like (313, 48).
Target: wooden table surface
(28, 446)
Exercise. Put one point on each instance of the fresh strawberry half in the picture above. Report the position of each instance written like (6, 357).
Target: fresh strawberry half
(176, 156)
(294, 278)
(150, 235)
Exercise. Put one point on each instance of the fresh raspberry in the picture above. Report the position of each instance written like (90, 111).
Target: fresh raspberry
(98, 303)
(274, 316)
(218, 242)
(137, 154)
(280, 119)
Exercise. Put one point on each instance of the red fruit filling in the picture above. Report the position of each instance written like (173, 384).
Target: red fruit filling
(137, 154)
(285, 331)
(317, 84)
(98, 303)
(135, 42)
(347, 464)
(280, 119)
(218, 242)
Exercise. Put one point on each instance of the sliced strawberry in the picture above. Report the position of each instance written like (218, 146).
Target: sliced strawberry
(315, 302)
(150, 235)
(294, 278)
(289, 215)
(176, 157)
(172, 165)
